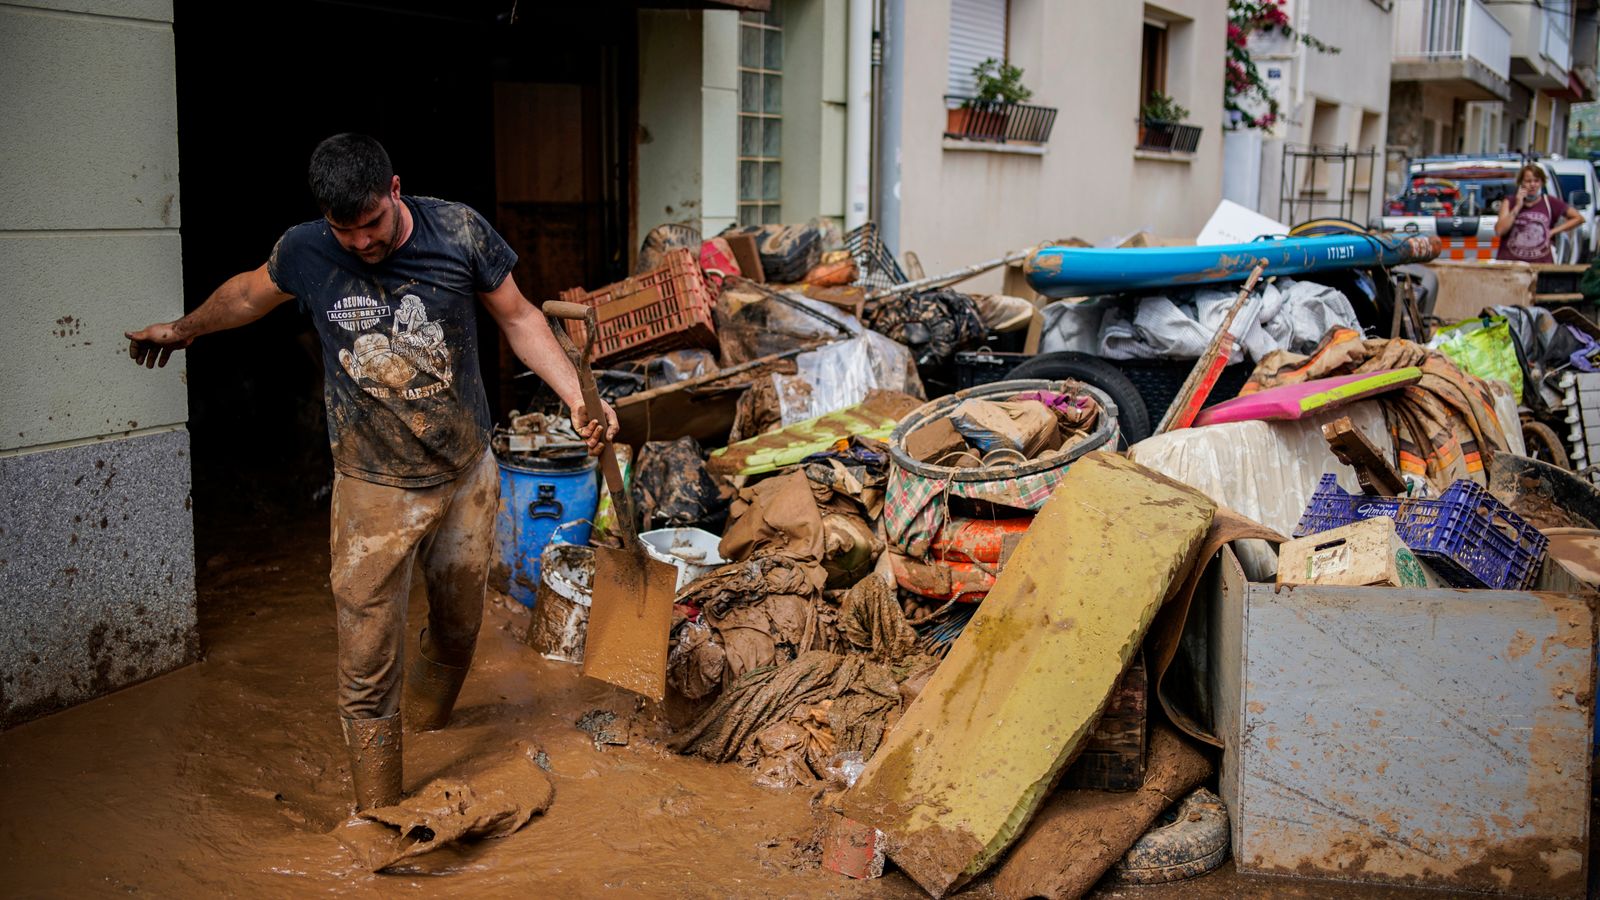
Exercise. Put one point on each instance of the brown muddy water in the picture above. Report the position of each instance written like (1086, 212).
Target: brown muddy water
(223, 778)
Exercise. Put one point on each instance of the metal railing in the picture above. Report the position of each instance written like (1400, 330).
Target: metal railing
(1168, 137)
(992, 120)
(1435, 30)
(1556, 44)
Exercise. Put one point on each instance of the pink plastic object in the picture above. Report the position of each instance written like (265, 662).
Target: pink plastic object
(1293, 401)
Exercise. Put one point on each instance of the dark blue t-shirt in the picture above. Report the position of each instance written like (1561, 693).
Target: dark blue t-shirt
(400, 341)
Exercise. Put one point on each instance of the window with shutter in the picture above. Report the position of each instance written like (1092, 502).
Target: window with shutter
(977, 33)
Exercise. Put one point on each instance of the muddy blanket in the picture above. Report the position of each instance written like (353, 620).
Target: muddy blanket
(672, 489)
(934, 324)
(1444, 425)
(1079, 835)
(494, 802)
(864, 694)
(760, 612)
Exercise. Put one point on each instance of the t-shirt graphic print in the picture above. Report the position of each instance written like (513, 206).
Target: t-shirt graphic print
(405, 400)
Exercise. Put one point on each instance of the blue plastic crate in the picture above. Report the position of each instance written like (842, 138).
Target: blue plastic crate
(1470, 538)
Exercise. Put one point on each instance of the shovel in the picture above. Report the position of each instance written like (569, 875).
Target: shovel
(630, 612)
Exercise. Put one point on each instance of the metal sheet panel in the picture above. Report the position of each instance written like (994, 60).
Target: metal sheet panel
(1427, 737)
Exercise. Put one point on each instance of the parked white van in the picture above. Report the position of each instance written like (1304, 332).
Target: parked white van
(1578, 176)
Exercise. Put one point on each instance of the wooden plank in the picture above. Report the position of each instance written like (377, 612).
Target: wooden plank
(1466, 288)
(1433, 738)
(973, 756)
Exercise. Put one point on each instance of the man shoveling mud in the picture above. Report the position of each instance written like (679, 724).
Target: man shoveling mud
(389, 281)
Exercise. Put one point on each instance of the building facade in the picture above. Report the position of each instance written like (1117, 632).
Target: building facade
(96, 532)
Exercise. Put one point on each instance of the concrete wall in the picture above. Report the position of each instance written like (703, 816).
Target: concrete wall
(689, 115)
(1348, 87)
(96, 536)
(962, 202)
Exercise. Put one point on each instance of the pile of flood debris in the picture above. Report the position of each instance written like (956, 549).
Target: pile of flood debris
(991, 639)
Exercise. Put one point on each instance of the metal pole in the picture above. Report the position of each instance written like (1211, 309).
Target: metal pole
(858, 115)
(892, 79)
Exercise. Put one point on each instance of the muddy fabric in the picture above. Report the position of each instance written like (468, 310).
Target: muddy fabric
(696, 664)
(778, 513)
(672, 489)
(934, 324)
(757, 411)
(761, 612)
(864, 694)
(1444, 425)
(377, 533)
(405, 400)
(494, 802)
(1079, 835)
(872, 622)
(852, 474)
(1166, 631)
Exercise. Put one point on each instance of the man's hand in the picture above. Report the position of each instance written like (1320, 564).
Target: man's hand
(153, 346)
(589, 429)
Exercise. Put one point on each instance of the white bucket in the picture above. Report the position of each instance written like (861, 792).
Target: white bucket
(561, 613)
(692, 550)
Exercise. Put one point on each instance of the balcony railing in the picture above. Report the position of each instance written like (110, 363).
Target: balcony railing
(1439, 30)
(1556, 45)
(1168, 137)
(972, 119)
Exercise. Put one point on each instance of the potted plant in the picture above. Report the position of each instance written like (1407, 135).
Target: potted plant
(999, 86)
(1158, 120)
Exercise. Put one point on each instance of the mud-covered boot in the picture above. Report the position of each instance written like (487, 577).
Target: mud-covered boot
(375, 762)
(431, 689)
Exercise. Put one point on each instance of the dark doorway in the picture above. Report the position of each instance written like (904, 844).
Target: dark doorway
(528, 116)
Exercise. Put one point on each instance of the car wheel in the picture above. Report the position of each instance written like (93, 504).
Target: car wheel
(1133, 419)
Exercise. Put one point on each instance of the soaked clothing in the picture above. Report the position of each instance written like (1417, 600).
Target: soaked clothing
(1529, 237)
(405, 399)
(378, 531)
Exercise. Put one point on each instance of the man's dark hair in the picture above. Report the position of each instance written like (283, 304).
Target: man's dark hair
(347, 171)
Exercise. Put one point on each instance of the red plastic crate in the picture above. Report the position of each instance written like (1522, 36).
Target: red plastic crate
(666, 309)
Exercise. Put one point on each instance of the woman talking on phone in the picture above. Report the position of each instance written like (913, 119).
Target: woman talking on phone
(1528, 222)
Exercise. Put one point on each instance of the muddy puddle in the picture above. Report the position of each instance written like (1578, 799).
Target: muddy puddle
(223, 778)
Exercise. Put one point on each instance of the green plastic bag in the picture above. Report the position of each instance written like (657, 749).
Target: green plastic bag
(1483, 347)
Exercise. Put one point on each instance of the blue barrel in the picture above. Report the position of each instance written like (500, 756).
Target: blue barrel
(542, 501)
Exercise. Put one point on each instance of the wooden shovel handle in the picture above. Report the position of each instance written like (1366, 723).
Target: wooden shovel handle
(592, 407)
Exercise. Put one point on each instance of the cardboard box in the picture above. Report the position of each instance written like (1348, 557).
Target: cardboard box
(1365, 554)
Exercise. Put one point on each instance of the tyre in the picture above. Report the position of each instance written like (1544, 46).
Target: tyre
(1133, 419)
(1543, 443)
(1187, 841)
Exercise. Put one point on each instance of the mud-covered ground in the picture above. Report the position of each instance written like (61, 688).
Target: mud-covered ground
(224, 778)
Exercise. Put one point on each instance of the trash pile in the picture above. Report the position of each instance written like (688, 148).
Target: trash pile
(989, 643)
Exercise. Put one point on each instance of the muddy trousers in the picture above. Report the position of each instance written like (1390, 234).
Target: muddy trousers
(378, 533)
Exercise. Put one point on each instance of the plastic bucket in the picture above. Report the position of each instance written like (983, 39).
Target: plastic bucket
(561, 617)
(541, 501)
(692, 550)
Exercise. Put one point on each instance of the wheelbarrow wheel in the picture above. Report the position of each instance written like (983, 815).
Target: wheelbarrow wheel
(1543, 443)
(1133, 418)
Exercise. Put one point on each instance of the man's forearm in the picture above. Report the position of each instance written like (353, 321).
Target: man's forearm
(533, 342)
(229, 306)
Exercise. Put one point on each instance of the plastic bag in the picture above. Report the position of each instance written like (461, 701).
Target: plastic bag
(840, 375)
(1482, 347)
(774, 323)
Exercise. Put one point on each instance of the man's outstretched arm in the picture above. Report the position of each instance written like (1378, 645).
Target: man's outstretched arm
(241, 300)
(528, 332)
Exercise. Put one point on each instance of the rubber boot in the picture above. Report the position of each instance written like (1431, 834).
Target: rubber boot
(431, 690)
(375, 762)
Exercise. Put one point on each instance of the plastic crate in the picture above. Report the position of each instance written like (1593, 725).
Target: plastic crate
(1470, 538)
(975, 367)
(665, 309)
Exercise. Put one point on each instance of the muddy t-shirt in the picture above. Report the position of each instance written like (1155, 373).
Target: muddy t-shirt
(1529, 237)
(405, 400)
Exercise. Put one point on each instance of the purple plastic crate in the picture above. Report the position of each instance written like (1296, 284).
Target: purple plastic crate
(1470, 538)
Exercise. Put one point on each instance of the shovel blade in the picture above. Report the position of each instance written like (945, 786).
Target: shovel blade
(630, 620)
